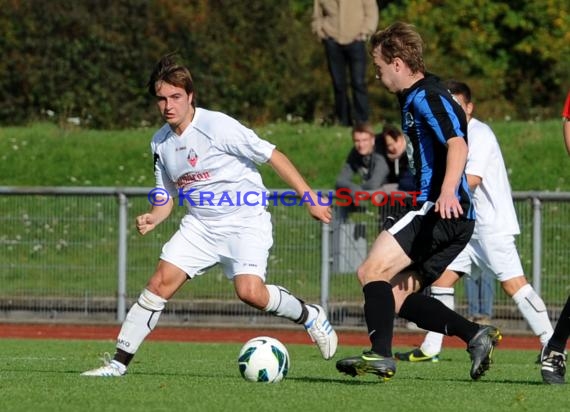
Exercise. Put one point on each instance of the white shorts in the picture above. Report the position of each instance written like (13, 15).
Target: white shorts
(494, 254)
(240, 247)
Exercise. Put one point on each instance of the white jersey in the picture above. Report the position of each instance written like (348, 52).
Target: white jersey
(211, 167)
(492, 199)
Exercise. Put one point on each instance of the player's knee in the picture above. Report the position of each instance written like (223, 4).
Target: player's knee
(246, 295)
(156, 285)
(447, 279)
(513, 285)
(166, 280)
(252, 293)
(369, 272)
(361, 274)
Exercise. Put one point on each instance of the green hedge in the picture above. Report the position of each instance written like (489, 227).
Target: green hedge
(258, 60)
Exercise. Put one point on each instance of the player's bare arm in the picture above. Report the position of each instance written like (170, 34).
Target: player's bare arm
(566, 122)
(473, 181)
(447, 204)
(290, 175)
(148, 221)
(566, 133)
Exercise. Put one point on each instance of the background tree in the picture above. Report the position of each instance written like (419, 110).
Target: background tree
(259, 61)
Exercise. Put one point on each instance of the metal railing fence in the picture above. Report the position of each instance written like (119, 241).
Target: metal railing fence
(72, 254)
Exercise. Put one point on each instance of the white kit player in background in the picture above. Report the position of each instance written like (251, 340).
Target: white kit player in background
(196, 150)
(492, 246)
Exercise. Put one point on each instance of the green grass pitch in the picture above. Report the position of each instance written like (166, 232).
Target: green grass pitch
(44, 375)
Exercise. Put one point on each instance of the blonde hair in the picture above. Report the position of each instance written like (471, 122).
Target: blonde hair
(400, 40)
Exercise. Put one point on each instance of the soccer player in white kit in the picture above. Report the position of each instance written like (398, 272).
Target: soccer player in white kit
(208, 160)
(492, 246)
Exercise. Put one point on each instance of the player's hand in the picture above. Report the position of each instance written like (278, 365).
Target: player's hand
(447, 205)
(145, 223)
(319, 209)
(322, 213)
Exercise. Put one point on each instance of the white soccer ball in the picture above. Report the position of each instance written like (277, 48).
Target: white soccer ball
(263, 359)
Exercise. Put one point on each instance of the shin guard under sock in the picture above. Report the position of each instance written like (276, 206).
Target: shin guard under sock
(559, 338)
(379, 312)
(429, 313)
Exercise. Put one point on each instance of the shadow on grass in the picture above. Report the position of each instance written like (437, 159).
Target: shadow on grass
(369, 381)
(345, 380)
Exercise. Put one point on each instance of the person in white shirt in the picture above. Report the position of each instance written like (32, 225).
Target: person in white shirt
(208, 160)
(492, 246)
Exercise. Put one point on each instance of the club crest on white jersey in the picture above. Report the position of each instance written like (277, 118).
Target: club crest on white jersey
(192, 158)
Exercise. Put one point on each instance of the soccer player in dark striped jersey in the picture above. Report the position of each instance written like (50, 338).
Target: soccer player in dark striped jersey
(416, 248)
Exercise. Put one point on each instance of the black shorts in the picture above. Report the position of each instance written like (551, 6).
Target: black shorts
(431, 242)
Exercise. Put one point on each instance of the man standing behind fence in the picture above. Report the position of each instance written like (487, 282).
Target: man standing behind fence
(201, 150)
(344, 26)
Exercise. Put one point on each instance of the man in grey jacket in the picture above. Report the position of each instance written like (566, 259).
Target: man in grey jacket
(365, 168)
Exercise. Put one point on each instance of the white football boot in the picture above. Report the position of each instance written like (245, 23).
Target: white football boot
(322, 333)
(109, 368)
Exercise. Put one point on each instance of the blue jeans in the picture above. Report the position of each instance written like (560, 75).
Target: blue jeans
(480, 291)
(352, 57)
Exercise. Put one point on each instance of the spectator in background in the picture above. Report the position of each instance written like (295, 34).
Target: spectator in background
(553, 355)
(365, 168)
(480, 293)
(392, 144)
(344, 26)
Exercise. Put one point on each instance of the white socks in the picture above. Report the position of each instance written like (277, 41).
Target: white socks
(534, 311)
(433, 341)
(141, 320)
(283, 303)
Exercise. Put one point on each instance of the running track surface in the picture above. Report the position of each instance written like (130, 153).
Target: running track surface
(237, 335)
